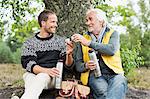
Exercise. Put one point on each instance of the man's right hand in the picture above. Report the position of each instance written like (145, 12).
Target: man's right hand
(90, 65)
(53, 72)
(69, 46)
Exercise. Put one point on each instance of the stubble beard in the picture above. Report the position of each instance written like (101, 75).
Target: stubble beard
(50, 33)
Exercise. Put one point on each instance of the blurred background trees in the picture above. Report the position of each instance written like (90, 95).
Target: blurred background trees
(70, 15)
(18, 21)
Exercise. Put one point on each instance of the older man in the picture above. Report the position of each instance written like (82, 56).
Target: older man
(111, 84)
(40, 55)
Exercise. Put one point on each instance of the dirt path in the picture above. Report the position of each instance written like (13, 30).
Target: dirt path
(132, 93)
(138, 94)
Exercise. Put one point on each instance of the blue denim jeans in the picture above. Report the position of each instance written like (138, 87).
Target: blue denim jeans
(108, 86)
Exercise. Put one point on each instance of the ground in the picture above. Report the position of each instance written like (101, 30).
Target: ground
(132, 93)
(11, 83)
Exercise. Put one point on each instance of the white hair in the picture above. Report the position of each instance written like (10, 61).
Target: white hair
(101, 15)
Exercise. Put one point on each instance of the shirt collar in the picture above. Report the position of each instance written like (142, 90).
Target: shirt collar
(101, 34)
(47, 38)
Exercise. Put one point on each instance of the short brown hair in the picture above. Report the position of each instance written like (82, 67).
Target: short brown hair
(43, 16)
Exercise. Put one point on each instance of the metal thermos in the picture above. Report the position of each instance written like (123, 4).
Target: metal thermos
(58, 80)
(93, 57)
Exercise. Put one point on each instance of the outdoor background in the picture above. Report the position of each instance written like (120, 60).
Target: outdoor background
(131, 18)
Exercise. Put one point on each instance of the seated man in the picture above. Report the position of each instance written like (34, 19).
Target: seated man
(111, 84)
(40, 55)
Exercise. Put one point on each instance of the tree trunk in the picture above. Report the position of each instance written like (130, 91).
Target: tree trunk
(71, 15)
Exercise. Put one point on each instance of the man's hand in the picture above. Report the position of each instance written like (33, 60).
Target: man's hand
(90, 65)
(53, 72)
(81, 39)
(69, 47)
(69, 52)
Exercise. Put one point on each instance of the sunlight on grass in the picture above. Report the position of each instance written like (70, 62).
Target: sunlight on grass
(11, 75)
(140, 78)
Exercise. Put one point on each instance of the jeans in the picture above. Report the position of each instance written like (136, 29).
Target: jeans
(108, 86)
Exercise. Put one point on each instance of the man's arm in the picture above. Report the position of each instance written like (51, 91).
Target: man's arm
(69, 53)
(53, 72)
(107, 49)
(79, 63)
(29, 61)
(28, 56)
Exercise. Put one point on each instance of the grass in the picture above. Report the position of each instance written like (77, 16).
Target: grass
(11, 76)
(140, 78)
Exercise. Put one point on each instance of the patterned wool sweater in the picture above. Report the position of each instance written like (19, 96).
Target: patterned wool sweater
(42, 51)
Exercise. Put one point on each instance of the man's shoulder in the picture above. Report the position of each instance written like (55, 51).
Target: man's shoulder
(59, 37)
(30, 40)
(112, 31)
(115, 32)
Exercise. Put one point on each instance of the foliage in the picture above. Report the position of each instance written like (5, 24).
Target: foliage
(71, 15)
(1, 30)
(17, 56)
(5, 53)
(17, 13)
(139, 31)
(7, 56)
(144, 15)
(146, 49)
(144, 25)
(13, 11)
(18, 8)
(20, 33)
(131, 58)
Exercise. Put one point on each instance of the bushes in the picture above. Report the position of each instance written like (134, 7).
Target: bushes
(131, 58)
(7, 56)
(17, 56)
(146, 49)
(5, 53)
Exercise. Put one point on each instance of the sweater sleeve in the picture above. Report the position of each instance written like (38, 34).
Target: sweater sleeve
(28, 56)
(107, 49)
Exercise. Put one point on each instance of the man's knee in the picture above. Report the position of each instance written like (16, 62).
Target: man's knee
(118, 84)
(100, 89)
(43, 77)
(119, 80)
(101, 92)
(28, 76)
